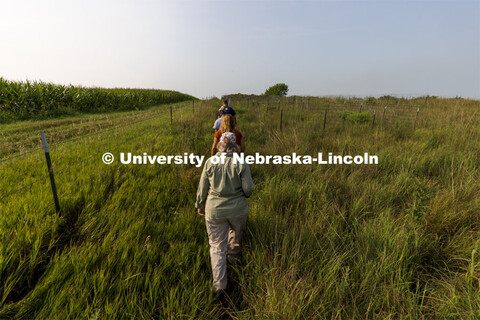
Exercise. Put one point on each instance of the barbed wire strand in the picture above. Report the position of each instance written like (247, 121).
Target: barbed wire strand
(125, 123)
(21, 188)
(21, 154)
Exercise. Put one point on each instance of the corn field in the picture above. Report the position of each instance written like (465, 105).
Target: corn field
(36, 99)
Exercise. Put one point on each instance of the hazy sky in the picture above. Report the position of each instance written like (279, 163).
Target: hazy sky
(210, 48)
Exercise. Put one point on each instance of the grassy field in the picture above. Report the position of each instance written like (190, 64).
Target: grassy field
(397, 240)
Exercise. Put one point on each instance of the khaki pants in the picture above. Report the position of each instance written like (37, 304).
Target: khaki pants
(224, 237)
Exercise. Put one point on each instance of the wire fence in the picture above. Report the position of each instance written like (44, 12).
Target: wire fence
(61, 175)
(172, 109)
(90, 129)
(22, 187)
(289, 112)
(327, 113)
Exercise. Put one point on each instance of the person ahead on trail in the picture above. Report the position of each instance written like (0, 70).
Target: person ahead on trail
(224, 109)
(228, 125)
(218, 122)
(222, 198)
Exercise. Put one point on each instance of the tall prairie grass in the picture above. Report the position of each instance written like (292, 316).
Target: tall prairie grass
(397, 240)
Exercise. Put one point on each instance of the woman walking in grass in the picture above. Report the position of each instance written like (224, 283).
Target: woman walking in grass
(222, 198)
(224, 109)
(228, 125)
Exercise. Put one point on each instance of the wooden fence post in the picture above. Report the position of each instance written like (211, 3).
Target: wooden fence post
(50, 171)
(171, 115)
(193, 106)
(373, 120)
(383, 114)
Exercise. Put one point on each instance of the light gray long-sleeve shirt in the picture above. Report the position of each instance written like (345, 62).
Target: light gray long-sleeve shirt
(224, 188)
(218, 123)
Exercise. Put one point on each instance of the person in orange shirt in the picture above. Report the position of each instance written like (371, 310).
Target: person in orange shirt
(228, 125)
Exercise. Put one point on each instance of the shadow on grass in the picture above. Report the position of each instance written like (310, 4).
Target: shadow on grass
(65, 233)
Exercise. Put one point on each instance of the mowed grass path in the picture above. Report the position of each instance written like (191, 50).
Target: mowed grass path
(396, 240)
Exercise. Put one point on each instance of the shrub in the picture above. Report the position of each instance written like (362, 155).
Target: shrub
(357, 117)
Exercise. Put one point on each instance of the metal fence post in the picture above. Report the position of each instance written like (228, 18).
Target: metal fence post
(325, 118)
(50, 171)
(416, 118)
(281, 118)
